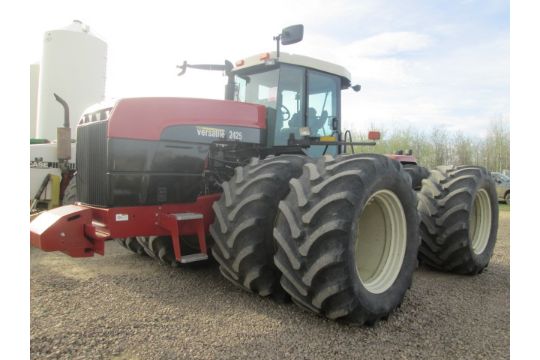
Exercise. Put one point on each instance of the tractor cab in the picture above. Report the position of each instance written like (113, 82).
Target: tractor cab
(301, 95)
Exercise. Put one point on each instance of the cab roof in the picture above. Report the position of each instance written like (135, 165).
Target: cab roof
(293, 59)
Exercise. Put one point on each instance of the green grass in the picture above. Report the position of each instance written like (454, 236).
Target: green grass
(504, 207)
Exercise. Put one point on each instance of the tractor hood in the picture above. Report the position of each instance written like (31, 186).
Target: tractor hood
(148, 118)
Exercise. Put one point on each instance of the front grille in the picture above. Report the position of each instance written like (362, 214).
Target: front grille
(92, 183)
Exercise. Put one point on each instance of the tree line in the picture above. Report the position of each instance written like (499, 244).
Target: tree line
(442, 147)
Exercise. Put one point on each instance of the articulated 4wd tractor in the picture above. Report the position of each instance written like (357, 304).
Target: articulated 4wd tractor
(261, 181)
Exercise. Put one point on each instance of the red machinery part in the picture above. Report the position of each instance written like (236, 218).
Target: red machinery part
(404, 159)
(130, 117)
(63, 229)
(80, 231)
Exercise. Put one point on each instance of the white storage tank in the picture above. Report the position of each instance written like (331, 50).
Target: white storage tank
(34, 85)
(74, 67)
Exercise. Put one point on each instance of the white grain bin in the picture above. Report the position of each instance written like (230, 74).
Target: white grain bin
(74, 67)
(34, 84)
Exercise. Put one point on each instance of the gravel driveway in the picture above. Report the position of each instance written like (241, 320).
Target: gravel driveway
(124, 306)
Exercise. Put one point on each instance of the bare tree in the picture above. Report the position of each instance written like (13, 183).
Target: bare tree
(463, 149)
(441, 147)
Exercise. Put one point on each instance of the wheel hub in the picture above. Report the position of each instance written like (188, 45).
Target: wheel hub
(480, 222)
(381, 241)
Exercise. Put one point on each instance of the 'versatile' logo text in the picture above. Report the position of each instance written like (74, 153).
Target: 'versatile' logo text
(211, 132)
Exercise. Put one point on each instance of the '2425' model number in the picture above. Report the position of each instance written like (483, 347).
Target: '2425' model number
(234, 135)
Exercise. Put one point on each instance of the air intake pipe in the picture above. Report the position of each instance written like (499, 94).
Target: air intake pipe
(63, 137)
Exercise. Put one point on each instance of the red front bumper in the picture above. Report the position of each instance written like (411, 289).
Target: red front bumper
(64, 229)
(81, 231)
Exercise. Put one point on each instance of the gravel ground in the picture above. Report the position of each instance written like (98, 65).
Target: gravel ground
(124, 306)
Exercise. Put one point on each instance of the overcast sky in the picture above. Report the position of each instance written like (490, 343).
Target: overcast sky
(420, 63)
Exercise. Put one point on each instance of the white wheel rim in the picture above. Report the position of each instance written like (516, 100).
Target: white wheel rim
(480, 222)
(381, 240)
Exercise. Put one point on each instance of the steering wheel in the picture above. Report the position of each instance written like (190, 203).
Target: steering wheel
(285, 112)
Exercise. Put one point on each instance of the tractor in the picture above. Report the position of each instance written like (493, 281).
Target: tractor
(262, 182)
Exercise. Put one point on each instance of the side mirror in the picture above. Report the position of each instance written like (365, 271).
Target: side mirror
(292, 34)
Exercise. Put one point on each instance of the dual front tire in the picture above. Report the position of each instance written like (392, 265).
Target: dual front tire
(245, 216)
(347, 238)
(339, 236)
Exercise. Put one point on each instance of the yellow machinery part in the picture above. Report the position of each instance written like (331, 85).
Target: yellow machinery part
(55, 191)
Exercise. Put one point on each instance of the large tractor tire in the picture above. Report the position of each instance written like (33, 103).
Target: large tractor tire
(417, 174)
(70, 193)
(245, 215)
(459, 219)
(132, 244)
(144, 242)
(162, 249)
(347, 237)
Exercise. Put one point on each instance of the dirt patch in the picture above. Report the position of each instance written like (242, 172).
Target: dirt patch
(124, 306)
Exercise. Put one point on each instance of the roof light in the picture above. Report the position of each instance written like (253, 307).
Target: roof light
(264, 56)
(240, 62)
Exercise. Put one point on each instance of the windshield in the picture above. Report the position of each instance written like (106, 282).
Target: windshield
(260, 88)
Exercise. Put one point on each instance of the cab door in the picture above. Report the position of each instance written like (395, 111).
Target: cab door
(323, 112)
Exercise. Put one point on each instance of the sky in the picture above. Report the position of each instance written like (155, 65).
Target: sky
(420, 63)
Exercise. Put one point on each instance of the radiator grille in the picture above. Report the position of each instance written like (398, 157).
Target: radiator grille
(92, 181)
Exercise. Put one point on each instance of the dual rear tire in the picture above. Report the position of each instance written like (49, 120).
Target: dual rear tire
(459, 211)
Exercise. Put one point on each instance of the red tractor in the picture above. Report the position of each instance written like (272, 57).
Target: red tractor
(262, 180)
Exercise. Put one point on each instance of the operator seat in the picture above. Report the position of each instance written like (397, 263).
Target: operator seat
(295, 123)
